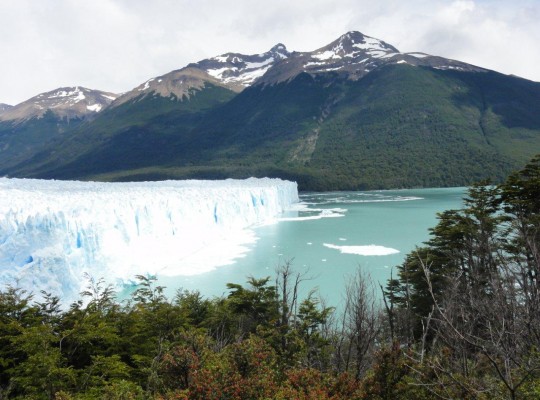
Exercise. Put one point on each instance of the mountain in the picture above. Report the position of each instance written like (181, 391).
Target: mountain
(32, 125)
(142, 123)
(355, 114)
(67, 102)
(354, 55)
(232, 71)
(4, 107)
(238, 71)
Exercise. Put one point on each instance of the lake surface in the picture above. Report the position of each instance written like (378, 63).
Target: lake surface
(378, 228)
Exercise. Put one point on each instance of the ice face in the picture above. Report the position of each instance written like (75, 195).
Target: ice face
(52, 232)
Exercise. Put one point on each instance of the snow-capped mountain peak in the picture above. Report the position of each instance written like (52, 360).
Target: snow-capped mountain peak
(353, 45)
(70, 102)
(238, 71)
(73, 95)
(353, 55)
(280, 47)
(233, 71)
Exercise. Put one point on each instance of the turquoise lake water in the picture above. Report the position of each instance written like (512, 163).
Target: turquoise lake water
(312, 238)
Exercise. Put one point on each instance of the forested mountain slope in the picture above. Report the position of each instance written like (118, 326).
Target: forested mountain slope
(356, 114)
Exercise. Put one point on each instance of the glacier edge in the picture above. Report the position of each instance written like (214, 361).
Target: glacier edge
(53, 232)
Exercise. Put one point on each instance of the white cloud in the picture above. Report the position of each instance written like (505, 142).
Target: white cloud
(117, 44)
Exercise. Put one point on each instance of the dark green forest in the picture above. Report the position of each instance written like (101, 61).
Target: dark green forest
(459, 319)
(20, 141)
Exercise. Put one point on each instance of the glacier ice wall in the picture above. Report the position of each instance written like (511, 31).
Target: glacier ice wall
(52, 232)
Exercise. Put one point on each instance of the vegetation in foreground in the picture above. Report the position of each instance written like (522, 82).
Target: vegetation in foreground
(461, 320)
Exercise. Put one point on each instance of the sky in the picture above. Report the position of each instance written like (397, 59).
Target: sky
(115, 45)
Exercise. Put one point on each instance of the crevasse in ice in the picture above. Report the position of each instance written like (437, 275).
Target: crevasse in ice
(52, 232)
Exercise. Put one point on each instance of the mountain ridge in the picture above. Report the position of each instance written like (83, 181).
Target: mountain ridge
(224, 68)
(65, 102)
(355, 55)
(354, 114)
(233, 71)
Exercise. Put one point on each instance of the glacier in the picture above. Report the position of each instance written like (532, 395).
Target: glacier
(53, 232)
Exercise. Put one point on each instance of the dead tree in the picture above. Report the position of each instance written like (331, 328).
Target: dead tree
(360, 325)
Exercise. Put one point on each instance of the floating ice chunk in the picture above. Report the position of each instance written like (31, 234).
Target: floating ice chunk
(370, 250)
(323, 213)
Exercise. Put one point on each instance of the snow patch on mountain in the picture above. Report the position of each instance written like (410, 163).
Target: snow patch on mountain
(418, 55)
(218, 72)
(221, 59)
(252, 65)
(94, 107)
(327, 55)
(146, 85)
(111, 98)
(248, 77)
(369, 43)
(238, 71)
(75, 95)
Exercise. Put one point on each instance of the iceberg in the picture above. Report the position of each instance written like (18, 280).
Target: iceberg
(369, 250)
(53, 232)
